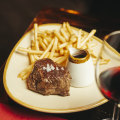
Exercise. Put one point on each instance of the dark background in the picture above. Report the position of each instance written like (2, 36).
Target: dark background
(16, 15)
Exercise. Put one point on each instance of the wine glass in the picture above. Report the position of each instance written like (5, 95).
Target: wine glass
(108, 74)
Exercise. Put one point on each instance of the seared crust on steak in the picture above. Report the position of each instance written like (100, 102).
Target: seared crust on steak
(49, 78)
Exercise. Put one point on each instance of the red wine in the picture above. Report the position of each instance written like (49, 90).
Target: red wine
(110, 83)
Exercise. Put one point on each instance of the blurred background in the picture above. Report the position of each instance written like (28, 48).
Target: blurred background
(16, 15)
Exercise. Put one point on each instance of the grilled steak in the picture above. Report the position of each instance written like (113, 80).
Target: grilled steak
(48, 78)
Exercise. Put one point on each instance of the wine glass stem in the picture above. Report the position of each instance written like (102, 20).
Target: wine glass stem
(115, 112)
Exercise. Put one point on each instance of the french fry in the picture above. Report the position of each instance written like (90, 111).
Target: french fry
(62, 39)
(63, 45)
(31, 57)
(47, 55)
(25, 76)
(83, 38)
(46, 42)
(58, 58)
(36, 57)
(64, 34)
(61, 51)
(37, 45)
(75, 45)
(65, 30)
(66, 52)
(28, 69)
(64, 25)
(56, 43)
(79, 38)
(62, 59)
(35, 36)
(48, 39)
(88, 37)
(41, 34)
(54, 47)
(34, 51)
(32, 44)
(69, 28)
(73, 38)
(48, 32)
(47, 50)
(29, 50)
(42, 44)
(104, 61)
(93, 55)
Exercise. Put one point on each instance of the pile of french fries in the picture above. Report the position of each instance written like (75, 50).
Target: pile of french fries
(54, 45)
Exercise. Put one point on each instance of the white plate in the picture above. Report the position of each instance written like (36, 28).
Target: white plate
(80, 98)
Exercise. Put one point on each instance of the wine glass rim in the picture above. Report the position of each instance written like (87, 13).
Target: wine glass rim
(114, 33)
(111, 34)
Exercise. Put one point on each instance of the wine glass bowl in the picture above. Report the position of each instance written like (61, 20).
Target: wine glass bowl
(108, 77)
(110, 83)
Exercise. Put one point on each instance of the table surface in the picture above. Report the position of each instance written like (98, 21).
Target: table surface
(15, 19)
